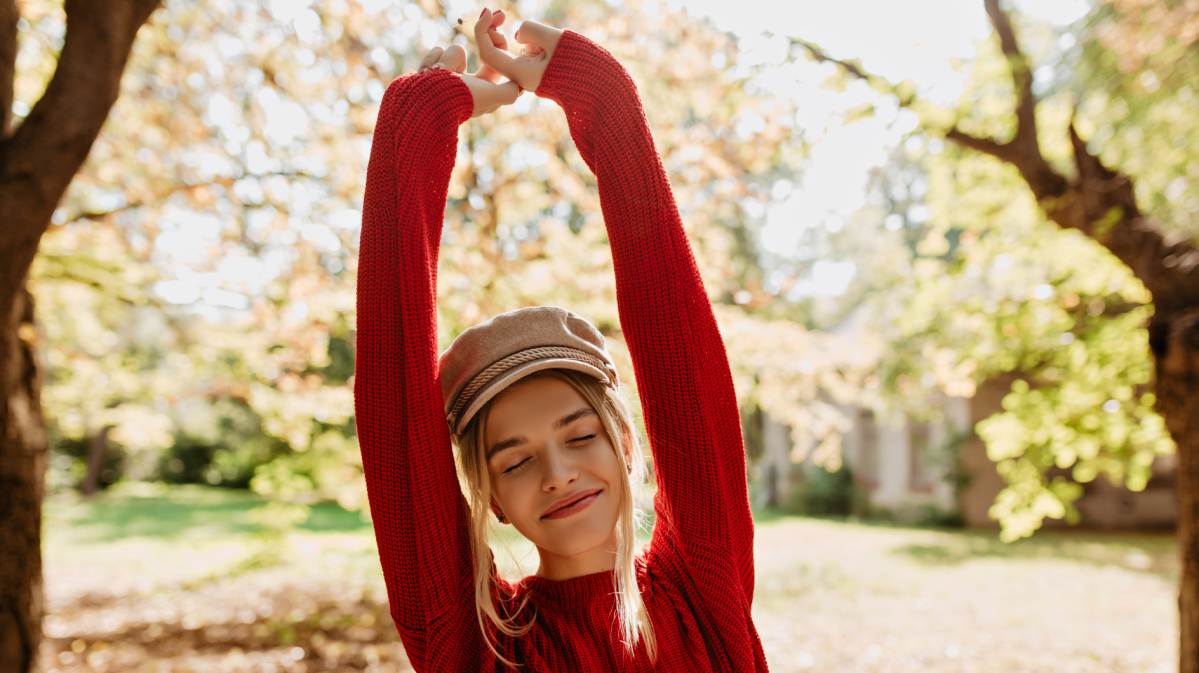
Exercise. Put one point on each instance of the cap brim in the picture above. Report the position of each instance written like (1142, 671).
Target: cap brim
(498, 384)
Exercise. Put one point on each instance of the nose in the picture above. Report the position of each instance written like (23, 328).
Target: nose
(559, 470)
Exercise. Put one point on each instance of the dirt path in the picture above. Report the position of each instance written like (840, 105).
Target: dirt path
(832, 597)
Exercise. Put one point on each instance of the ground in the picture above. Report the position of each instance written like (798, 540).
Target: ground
(180, 581)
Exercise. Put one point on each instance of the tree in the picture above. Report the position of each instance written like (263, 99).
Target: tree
(255, 136)
(1101, 204)
(38, 160)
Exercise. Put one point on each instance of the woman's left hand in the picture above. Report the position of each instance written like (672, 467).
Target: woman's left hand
(488, 92)
(538, 40)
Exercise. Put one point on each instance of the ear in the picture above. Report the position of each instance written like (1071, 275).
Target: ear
(499, 513)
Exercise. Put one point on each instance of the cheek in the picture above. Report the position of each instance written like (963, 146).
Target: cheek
(514, 492)
(601, 458)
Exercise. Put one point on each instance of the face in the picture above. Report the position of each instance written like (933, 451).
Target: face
(554, 472)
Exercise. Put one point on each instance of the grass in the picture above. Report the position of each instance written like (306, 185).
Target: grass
(1155, 552)
(174, 513)
(1152, 552)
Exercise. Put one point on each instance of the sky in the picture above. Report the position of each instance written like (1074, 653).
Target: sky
(915, 39)
(912, 39)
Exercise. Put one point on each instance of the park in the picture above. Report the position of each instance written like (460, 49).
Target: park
(906, 292)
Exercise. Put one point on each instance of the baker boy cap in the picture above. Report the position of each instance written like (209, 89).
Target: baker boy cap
(489, 357)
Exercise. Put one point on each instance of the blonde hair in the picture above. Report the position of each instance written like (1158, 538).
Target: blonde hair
(617, 419)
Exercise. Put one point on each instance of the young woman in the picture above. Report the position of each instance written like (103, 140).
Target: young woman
(529, 400)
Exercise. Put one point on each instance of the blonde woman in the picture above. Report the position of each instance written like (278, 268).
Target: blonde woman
(529, 402)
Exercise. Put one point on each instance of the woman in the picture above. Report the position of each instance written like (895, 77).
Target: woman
(544, 442)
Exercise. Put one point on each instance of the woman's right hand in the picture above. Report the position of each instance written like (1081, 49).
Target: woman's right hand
(526, 69)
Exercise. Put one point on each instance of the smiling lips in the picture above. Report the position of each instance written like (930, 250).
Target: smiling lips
(572, 505)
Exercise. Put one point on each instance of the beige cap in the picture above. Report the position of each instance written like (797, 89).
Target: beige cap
(489, 357)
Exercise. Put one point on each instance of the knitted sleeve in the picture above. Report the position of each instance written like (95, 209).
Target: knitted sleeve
(678, 355)
(419, 514)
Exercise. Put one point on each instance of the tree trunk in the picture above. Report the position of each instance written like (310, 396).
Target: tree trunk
(97, 452)
(1175, 342)
(22, 469)
(1188, 545)
(38, 160)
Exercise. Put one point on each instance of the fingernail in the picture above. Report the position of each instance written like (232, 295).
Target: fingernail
(422, 71)
(435, 66)
(482, 12)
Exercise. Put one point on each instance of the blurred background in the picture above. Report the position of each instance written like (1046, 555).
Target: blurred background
(951, 445)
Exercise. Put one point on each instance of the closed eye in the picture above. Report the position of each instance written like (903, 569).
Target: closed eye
(580, 439)
(513, 468)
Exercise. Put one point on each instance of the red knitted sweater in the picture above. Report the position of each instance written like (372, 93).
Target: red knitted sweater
(697, 574)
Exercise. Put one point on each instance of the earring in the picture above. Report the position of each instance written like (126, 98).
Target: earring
(501, 517)
(630, 469)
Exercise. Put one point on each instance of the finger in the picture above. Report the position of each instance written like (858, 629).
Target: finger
(499, 60)
(539, 36)
(500, 41)
(454, 58)
(430, 58)
(497, 37)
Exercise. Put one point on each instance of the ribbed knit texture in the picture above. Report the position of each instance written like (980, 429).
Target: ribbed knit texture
(696, 575)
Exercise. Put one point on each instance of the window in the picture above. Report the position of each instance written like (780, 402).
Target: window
(921, 475)
(867, 458)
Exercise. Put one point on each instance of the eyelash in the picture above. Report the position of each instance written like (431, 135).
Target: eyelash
(576, 439)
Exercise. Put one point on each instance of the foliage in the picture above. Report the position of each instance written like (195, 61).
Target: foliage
(830, 493)
(994, 289)
(799, 377)
(223, 200)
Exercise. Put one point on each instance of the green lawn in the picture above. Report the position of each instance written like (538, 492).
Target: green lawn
(173, 513)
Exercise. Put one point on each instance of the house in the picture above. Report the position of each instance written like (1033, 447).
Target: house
(910, 466)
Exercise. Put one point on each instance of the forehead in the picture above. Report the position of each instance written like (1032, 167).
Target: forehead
(530, 407)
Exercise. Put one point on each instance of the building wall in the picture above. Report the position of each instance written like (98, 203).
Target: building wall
(985, 483)
(897, 459)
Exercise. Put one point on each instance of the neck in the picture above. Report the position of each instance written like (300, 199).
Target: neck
(558, 567)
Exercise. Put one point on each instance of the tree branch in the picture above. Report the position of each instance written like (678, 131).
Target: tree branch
(1021, 72)
(1099, 202)
(819, 56)
(1002, 151)
(39, 160)
(180, 189)
(9, 14)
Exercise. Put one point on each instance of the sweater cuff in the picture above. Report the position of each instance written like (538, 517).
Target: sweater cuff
(434, 99)
(582, 74)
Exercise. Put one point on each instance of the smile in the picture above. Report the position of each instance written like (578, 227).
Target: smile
(572, 505)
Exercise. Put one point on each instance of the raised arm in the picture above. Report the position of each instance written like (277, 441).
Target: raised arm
(678, 355)
(417, 508)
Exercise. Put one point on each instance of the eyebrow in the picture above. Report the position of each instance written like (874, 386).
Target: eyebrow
(573, 416)
(558, 425)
